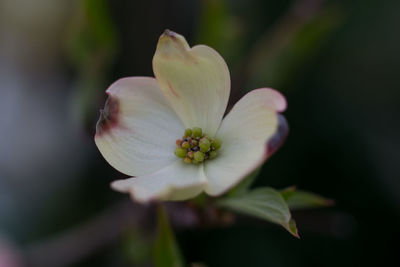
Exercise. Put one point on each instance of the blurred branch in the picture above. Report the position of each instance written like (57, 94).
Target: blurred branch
(77, 243)
(299, 14)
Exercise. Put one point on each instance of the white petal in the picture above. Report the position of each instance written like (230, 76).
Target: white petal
(178, 181)
(195, 81)
(251, 132)
(137, 130)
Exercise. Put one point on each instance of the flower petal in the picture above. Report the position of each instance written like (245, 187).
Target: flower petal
(195, 81)
(137, 129)
(250, 133)
(178, 181)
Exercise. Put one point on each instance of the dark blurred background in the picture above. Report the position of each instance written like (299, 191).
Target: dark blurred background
(337, 62)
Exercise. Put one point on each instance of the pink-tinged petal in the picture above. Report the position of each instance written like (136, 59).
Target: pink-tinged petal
(251, 132)
(195, 81)
(137, 129)
(178, 181)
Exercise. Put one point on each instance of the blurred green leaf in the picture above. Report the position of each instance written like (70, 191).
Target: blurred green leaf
(92, 38)
(136, 247)
(91, 48)
(265, 203)
(243, 186)
(284, 52)
(166, 250)
(298, 199)
(288, 192)
(293, 228)
(219, 28)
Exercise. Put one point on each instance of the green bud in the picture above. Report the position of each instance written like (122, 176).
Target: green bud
(216, 144)
(185, 145)
(204, 141)
(180, 152)
(196, 146)
(188, 132)
(213, 154)
(197, 132)
(199, 156)
(204, 148)
(204, 145)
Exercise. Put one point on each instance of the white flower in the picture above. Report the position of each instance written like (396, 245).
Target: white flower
(143, 117)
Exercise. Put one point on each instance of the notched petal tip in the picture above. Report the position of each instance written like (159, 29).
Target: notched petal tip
(172, 44)
(279, 137)
(108, 116)
(169, 33)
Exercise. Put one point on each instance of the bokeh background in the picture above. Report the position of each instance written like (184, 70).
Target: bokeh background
(337, 62)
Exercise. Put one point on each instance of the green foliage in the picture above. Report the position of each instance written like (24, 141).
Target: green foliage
(92, 35)
(243, 186)
(265, 203)
(166, 250)
(136, 247)
(298, 199)
(91, 48)
(220, 28)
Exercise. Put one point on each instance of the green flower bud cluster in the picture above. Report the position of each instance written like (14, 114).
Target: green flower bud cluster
(196, 146)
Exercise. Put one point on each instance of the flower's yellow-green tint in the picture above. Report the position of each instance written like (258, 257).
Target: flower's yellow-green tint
(205, 145)
(188, 132)
(180, 152)
(199, 156)
(196, 146)
(197, 132)
(216, 144)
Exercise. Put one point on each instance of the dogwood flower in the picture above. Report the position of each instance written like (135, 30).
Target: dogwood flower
(168, 133)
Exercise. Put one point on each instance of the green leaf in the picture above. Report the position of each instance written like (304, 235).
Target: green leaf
(298, 199)
(293, 228)
(288, 192)
(166, 250)
(265, 203)
(243, 186)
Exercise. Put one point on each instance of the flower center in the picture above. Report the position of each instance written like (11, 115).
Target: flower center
(196, 146)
